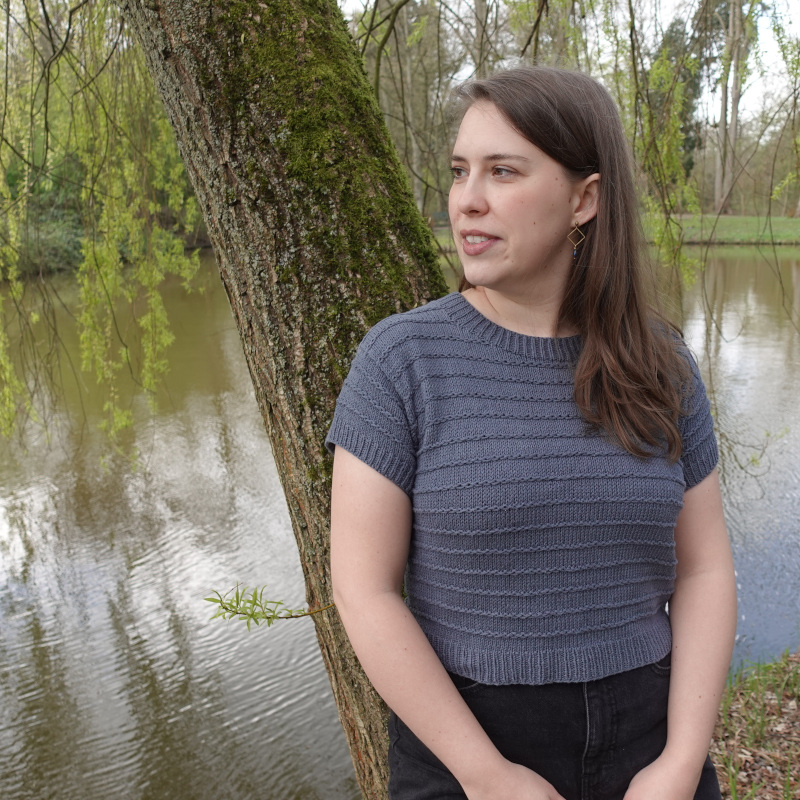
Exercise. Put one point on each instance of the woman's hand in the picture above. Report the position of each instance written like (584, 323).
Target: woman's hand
(511, 782)
(663, 780)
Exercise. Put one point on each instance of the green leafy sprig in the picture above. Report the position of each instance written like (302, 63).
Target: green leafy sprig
(251, 607)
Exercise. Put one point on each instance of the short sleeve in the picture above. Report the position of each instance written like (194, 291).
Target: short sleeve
(700, 453)
(372, 422)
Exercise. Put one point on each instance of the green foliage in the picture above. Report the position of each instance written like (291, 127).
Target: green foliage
(251, 607)
(135, 208)
(417, 31)
(790, 53)
(656, 110)
(91, 181)
(12, 390)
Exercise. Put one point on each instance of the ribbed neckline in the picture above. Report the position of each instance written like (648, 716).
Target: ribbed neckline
(564, 349)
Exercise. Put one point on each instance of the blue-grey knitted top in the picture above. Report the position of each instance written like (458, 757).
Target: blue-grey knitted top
(541, 551)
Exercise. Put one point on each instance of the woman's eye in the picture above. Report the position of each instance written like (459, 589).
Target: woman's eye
(458, 172)
(502, 172)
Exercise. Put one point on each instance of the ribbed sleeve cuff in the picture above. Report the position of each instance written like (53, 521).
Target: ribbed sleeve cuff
(378, 455)
(702, 460)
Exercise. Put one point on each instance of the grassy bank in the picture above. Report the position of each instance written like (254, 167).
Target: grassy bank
(702, 229)
(757, 740)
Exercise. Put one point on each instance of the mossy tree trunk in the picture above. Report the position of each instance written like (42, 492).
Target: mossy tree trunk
(317, 237)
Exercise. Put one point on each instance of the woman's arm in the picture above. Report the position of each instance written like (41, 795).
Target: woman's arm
(370, 536)
(702, 613)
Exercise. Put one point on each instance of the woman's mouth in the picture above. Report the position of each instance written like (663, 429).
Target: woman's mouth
(474, 244)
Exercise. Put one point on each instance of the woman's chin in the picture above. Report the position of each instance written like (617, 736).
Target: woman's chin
(479, 277)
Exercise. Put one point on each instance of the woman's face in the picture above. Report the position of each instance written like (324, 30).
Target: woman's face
(512, 207)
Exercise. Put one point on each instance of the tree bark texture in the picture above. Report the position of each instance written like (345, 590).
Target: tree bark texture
(316, 235)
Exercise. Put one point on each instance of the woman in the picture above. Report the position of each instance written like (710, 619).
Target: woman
(533, 458)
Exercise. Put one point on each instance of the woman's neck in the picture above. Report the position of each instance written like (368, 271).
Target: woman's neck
(528, 316)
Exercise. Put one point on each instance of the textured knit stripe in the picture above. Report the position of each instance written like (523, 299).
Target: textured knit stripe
(541, 551)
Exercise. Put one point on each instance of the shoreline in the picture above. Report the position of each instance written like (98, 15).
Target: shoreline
(756, 745)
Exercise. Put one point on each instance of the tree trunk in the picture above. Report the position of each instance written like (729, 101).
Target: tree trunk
(480, 41)
(735, 56)
(720, 198)
(316, 235)
(738, 48)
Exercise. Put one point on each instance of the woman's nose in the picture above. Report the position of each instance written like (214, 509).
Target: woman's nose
(472, 197)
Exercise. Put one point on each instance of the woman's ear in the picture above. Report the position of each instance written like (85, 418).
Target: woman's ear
(587, 197)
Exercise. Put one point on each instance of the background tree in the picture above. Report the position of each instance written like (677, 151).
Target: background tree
(678, 50)
(790, 54)
(727, 32)
(417, 72)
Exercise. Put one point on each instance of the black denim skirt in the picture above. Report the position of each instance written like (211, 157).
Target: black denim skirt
(587, 739)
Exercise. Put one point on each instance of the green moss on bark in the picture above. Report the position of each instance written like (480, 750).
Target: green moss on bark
(342, 197)
(326, 129)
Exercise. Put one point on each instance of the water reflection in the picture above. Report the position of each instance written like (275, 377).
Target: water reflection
(113, 682)
(741, 318)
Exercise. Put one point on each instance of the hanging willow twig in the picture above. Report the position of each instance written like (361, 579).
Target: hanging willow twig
(251, 607)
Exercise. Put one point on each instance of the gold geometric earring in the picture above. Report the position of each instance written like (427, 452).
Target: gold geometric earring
(576, 238)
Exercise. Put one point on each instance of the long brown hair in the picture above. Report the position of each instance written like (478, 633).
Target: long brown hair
(631, 377)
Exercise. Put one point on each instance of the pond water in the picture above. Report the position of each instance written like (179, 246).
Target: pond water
(113, 681)
(742, 318)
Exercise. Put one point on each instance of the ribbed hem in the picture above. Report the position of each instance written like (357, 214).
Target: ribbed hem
(381, 458)
(499, 666)
(462, 313)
